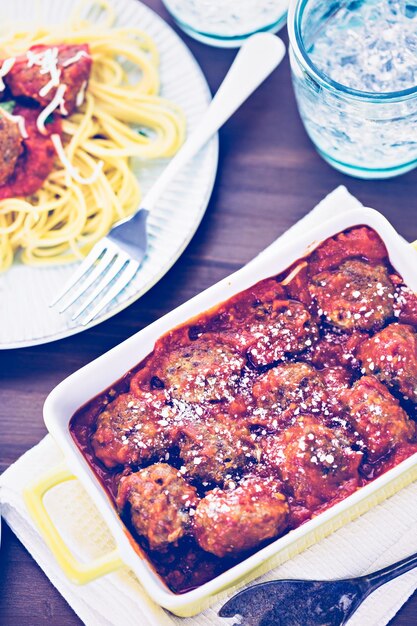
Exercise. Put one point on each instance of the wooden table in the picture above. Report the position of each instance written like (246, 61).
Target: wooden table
(269, 176)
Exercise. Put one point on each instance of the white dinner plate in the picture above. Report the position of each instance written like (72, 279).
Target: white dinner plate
(25, 317)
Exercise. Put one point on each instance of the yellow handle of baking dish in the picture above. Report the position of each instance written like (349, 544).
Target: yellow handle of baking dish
(78, 572)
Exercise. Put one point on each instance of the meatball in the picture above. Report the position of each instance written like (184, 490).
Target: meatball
(314, 462)
(132, 430)
(10, 147)
(215, 449)
(336, 347)
(27, 78)
(337, 381)
(391, 356)
(357, 242)
(161, 504)
(286, 329)
(204, 370)
(405, 306)
(230, 521)
(356, 296)
(378, 417)
(38, 155)
(286, 391)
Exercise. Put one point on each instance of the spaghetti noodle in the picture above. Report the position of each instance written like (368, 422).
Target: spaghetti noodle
(92, 185)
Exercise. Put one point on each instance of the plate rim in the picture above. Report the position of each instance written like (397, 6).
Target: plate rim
(213, 155)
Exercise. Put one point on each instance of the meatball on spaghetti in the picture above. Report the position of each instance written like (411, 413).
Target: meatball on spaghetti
(73, 65)
(10, 146)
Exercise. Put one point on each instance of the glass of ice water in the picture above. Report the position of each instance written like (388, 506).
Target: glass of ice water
(354, 67)
(227, 23)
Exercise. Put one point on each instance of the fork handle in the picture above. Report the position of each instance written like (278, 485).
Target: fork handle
(376, 579)
(257, 58)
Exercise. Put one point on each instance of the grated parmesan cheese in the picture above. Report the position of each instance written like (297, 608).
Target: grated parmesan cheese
(79, 55)
(47, 61)
(81, 94)
(5, 69)
(50, 108)
(72, 171)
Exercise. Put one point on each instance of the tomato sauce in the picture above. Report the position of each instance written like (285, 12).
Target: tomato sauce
(37, 160)
(54, 75)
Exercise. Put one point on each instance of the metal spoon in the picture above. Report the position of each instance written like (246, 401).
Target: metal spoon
(309, 602)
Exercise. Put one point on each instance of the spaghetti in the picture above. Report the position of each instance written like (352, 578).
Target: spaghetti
(119, 116)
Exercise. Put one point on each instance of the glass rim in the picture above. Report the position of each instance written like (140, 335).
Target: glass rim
(295, 16)
(276, 24)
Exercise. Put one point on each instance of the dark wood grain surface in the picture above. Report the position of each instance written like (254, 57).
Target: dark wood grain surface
(269, 176)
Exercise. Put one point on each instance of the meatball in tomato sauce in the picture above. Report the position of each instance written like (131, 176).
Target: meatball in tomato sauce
(132, 430)
(287, 329)
(355, 296)
(360, 242)
(204, 370)
(337, 381)
(378, 417)
(315, 463)
(215, 449)
(336, 348)
(161, 504)
(234, 520)
(286, 391)
(391, 356)
(73, 66)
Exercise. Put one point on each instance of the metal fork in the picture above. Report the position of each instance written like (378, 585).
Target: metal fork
(114, 260)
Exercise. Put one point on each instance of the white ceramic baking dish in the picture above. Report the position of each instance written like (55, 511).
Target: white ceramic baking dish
(92, 379)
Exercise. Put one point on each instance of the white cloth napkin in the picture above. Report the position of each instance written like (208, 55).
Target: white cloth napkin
(382, 536)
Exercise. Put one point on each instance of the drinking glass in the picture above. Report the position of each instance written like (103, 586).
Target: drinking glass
(227, 23)
(354, 71)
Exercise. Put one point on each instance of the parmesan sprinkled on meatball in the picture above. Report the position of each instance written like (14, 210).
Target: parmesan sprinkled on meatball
(28, 79)
(391, 356)
(132, 430)
(287, 330)
(204, 370)
(231, 521)
(336, 347)
(161, 504)
(314, 462)
(378, 417)
(287, 391)
(356, 296)
(213, 450)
